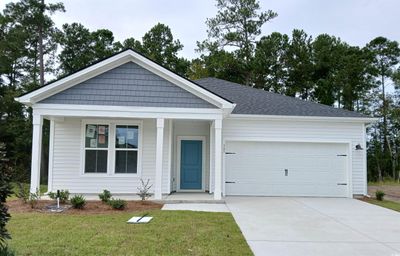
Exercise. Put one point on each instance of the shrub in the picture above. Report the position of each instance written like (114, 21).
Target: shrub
(379, 195)
(6, 251)
(5, 191)
(64, 196)
(33, 198)
(22, 192)
(117, 204)
(105, 196)
(78, 201)
(144, 190)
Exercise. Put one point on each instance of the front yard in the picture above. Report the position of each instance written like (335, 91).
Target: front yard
(392, 194)
(169, 233)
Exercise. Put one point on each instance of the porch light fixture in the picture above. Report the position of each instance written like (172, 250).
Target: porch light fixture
(358, 147)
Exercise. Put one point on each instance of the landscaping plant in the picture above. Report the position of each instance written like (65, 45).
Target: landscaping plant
(33, 198)
(64, 196)
(78, 201)
(144, 190)
(117, 204)
(105, 196)
(22, 192)
(5, 191)
(379, 195)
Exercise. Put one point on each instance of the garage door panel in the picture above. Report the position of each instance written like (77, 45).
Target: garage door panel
(313, 169)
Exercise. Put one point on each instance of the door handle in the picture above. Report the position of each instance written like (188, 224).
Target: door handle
(230, 182)
(286, 172)
(342, 184)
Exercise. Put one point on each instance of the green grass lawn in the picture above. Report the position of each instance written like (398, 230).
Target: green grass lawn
(169, 233)
(385, 203)
(384, 182)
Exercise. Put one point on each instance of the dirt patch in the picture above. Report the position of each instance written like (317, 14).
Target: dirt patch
(91, 207)
(392, 191)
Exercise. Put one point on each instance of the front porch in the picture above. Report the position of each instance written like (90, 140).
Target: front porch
(180, 152)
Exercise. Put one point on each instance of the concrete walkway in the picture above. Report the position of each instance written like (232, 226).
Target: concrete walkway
(316, 226)
(196, 207)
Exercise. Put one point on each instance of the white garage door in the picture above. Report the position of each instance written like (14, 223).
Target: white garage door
(286, 169)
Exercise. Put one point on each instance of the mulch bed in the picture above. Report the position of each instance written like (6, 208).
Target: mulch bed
(91, 207)
(392, 191)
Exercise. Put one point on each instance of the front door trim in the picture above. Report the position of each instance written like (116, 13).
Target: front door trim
(178, 160)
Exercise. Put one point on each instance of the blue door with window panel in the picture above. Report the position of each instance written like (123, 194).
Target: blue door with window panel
(191, 164)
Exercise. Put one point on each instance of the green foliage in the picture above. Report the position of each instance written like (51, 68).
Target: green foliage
(64, 196)
(22, 191)
(237, 24)
(159, 45)
(78, 201)
(20, 23)
(80, 47)
(379, 194)
(5, 191)
(33, 199)
(105, 196)
(269, 63)
(6, 251)
(117, 204)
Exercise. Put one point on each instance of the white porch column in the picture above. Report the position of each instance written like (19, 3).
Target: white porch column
(36, 152)
(159, 158)
(51, 155)
(218, 159)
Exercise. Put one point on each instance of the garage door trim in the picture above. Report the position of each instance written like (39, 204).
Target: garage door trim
(255, 139)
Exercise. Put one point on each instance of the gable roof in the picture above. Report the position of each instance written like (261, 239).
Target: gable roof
(251, 101)
(128, 85)
(117, 60)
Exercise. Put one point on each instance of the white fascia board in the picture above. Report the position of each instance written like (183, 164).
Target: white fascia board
(114, 62)
(304, 118)
(65, 110)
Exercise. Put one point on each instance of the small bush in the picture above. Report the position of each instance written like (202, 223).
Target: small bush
(6, 251)
(64, 196)
(105, 196)
(33, 198)
(379, 195)
(144, 190)
(78, 201)
(22, 192)
(117, 204)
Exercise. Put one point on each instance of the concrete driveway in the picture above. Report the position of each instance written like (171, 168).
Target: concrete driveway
(316, 226)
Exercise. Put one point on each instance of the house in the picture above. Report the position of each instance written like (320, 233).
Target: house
(126, 118)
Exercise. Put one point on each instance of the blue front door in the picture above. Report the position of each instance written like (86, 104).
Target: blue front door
(191, 164)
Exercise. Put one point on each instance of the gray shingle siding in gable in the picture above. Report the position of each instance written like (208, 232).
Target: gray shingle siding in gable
(128, 85)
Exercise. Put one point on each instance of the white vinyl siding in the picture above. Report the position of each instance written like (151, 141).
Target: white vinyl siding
(259, 130)
(67, 156)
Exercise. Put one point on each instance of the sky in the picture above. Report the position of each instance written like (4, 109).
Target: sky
(354, 21)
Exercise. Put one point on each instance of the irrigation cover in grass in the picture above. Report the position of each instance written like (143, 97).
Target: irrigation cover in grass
(139, 220)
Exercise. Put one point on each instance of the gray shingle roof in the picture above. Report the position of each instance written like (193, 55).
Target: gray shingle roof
(259, 102)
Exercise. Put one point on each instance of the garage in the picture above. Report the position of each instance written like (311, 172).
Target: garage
(286, 169)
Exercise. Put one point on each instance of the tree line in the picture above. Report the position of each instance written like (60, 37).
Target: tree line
(324, 69)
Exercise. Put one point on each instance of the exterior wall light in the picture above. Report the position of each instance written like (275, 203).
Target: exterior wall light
(358, 147)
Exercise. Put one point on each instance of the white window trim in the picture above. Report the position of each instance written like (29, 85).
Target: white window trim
(111, 147)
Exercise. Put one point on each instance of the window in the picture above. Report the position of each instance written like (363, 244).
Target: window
(126, 148)
(96, 148)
